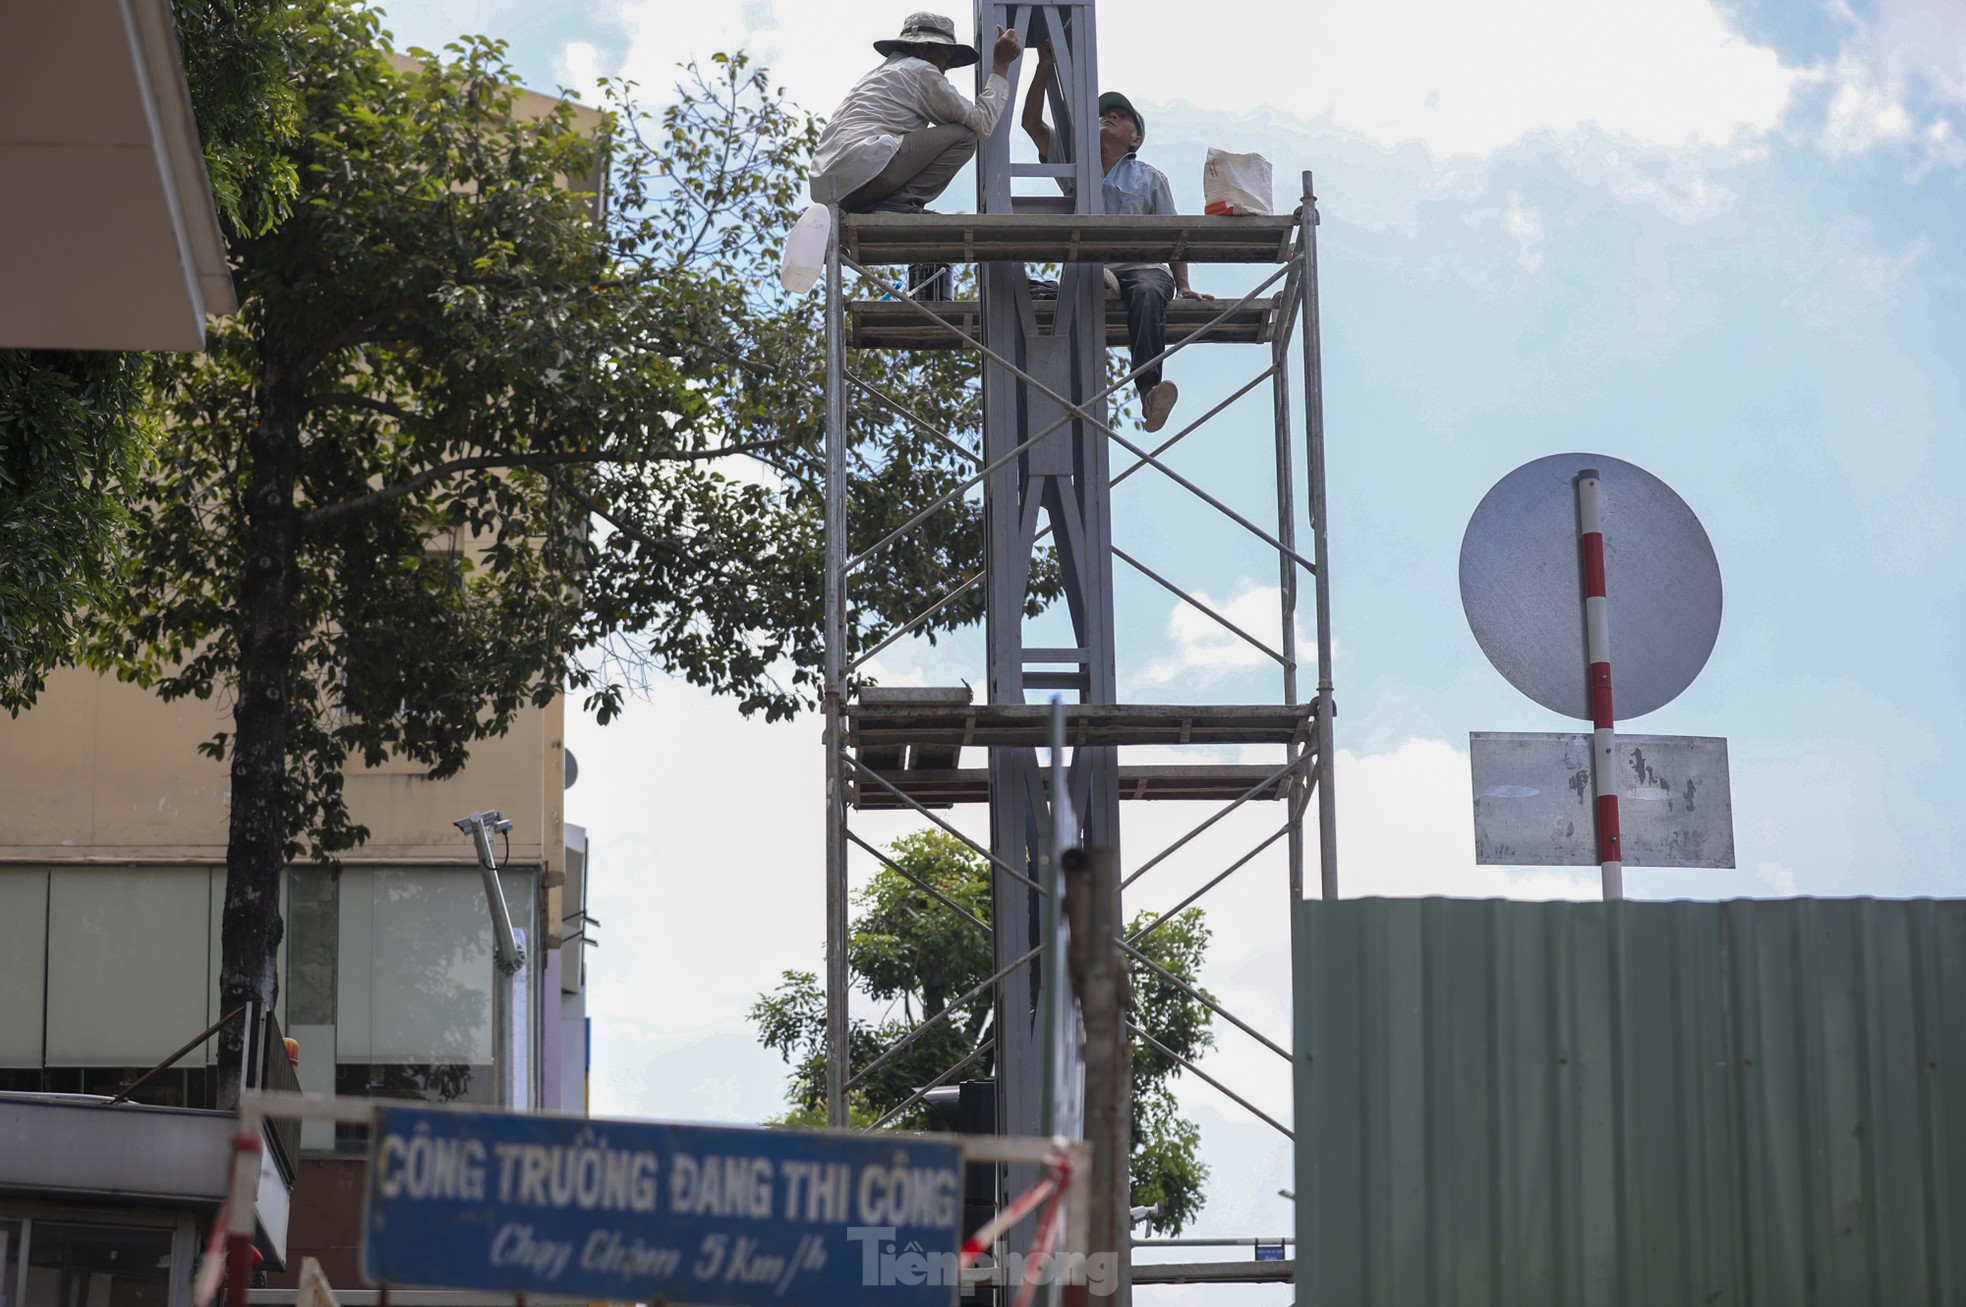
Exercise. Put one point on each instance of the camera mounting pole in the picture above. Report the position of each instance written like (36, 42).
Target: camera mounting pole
(510, 1035)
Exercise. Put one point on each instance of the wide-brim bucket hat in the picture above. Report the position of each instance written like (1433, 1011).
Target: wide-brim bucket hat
(931, 29)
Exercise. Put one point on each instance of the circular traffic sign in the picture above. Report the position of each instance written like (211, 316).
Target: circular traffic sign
(1522, 585)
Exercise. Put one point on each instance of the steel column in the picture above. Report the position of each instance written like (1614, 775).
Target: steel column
(836, 884)
(1063, 477)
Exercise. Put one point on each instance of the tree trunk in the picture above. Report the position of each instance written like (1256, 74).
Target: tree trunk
(255, 851)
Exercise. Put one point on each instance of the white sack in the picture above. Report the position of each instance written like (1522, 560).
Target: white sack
(1235, 183)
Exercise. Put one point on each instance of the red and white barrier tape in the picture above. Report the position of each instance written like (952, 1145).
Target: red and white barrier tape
(1055, 1181)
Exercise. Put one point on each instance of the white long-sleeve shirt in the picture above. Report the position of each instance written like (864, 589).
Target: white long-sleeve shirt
(902, 95)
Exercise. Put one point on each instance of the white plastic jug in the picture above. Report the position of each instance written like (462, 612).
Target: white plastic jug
(805, 250)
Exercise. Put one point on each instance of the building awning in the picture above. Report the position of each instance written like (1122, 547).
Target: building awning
(108, 237)
(79, 1148)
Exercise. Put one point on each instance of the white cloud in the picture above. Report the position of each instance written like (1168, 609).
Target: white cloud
(881, 674)
(1899, 79)
(1912, 43)
(707, 857)
(1780, 877)
(1863, 113)
(709, 872)
(1943, 143)
(580, 65)
(1461, 79)
(1852, 275)
(1205, 650)
(1468, 79)
(1406, 829)
(1524, 221)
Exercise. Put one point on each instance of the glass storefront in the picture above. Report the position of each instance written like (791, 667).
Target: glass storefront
(48, 1262)
(388, 981)
(389, 972)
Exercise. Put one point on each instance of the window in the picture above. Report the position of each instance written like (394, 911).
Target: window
(10, 1232)
(97, 1266)
(313, 909)
(389, 981)
(23, 970)
(128, 969)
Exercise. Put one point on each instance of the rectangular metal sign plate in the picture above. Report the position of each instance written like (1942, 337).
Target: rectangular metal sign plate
(643, 1212)
(1532, 800)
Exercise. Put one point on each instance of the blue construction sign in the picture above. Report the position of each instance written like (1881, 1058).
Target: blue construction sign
(637, 1211)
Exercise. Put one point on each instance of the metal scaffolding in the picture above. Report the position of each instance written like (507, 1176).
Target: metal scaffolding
(1046, 452)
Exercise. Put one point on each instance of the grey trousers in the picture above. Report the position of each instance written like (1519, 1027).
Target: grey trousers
(919, 171)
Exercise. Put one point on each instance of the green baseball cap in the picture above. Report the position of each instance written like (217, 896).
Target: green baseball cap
(1112, 100)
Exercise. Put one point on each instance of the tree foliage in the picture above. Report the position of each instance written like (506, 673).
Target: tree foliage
(75, 426)
(239, 59)
(73, 434)
(916, 954)
(472, 424)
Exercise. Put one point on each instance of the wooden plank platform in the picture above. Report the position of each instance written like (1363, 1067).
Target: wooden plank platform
(942, 789)
(893, 754)
(897, 324)
(992, 725)
(1284, 1272)
(886, 238)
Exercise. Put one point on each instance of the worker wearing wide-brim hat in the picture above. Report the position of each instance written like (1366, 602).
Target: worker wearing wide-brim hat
(904, 131)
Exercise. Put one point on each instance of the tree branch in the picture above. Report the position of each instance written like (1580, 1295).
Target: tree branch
(362, 332)
(349, 399)
(327, 513)
(594, 506)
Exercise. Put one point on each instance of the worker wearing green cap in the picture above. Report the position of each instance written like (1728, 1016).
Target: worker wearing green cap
(1131, 186)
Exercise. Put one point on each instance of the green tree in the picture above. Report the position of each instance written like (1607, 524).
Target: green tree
(73, 436)
(470, 423)
(75, 427)
(915, 952)
(239, 60)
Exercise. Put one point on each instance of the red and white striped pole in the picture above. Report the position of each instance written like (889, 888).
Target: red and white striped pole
(246, 1146)
(1597, 652)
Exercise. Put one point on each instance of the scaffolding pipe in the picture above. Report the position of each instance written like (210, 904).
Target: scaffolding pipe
(1287, 587)
(1227, 1092)
(1327, 808)
(837, 1052)
(1069, 439)
(1201, 997)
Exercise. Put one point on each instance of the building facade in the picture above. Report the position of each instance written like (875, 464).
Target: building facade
(112, 881)
(113, 1155)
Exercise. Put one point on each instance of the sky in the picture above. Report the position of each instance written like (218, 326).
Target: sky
(1718, 241)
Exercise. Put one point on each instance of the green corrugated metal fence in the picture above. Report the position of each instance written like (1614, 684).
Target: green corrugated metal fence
(1755, 1102)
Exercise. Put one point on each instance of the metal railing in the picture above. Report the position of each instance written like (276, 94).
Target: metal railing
(264, 1066)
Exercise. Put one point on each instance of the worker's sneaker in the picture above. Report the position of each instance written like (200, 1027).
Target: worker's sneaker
(1112, 285)
(1159, 402)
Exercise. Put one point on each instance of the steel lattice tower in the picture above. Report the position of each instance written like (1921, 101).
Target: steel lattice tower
(1045, 472)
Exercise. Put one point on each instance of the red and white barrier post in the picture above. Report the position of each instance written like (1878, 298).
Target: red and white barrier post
(1597, 652)
(246, 1146)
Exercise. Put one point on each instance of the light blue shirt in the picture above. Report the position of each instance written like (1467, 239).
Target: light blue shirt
(1137, 188)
